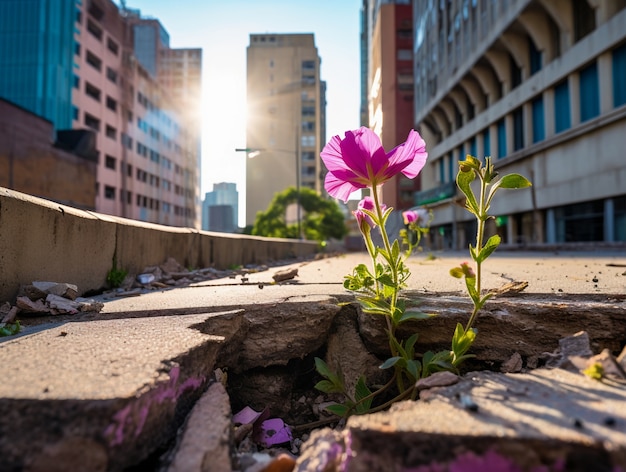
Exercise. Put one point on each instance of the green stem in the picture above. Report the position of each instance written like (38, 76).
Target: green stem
(482, 216)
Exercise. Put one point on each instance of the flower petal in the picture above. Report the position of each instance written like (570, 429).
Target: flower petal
(409, 157)
(340, 188)
(332, 156)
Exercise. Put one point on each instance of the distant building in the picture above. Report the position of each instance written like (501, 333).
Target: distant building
(387, 36)
(538, 86)
(220, 209)
(286, 117)
(31, 162)
(101, 69)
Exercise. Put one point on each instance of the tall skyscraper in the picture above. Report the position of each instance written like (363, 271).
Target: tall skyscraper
(226, 217)
(89, 65)
(286, 110)
(388, 33)
(37, 55)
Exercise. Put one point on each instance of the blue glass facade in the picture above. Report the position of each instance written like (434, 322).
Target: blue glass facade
(36, 57)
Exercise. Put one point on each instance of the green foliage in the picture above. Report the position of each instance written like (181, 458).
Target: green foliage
(478, 204)
(116, 276)
(321, 218)
(378, 287)
(9, 329)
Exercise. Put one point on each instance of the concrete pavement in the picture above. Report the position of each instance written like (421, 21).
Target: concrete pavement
(107, 389)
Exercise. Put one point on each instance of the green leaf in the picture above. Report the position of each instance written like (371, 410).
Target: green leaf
(414, 315)
(361, 391)
(410, 344)
(390, 362)
(473, 252)
(463, 181)
(337, 409)
(514, 181)
(491, 245)
(326, 386)
(10, 329)
(456, 272)
(470, 283)
(322, 368)
(413, 367)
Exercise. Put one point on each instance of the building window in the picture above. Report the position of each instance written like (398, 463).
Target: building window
(589, 92)
(112, 45)
(536, 60)
(75, 113)
(109, 192)
(539, 129)
(110, 162)
(93, 92)
(442, 171)
(92, 122)
(94, 29)
(111, 75)
(111, 104)
(94, 61)
(111, 132)
(619, 72)
(562, 119)
(516, 73)
(518, 129)
(76, 82)
(486, 142)
(580, 222)
(450, 167)
(472, 147)
(501, 139)
(308, 141)
(584, 19)
(77, 49)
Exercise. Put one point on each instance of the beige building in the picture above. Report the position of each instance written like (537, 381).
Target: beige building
(285, 127)
(539, 86)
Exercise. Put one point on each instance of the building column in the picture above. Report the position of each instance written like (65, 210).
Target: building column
(548, 112)
(510, 234)
(605, 82)
(609, 220)
(550, 226)
(574, 99)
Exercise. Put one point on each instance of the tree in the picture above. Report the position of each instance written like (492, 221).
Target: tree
(321, 219)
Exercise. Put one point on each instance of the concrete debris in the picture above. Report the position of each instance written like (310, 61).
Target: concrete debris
(513, 364)
(438, 379)
(50, 298)
(510, 288)
(283, 275)
(64, 290)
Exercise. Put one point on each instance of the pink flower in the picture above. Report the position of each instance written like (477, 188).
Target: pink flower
(410, 216)
(363, 218)
(359, 161)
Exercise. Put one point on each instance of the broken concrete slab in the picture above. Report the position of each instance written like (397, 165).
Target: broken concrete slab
(553, 419)
(204, 445)
(119, 387)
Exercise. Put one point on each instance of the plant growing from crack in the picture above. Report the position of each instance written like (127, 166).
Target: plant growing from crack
(116, 276)
(478, 204)
(359, 161)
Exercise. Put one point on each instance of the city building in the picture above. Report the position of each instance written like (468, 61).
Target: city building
(220, 208)
(31, 162)
(87, 65)
(388, 29)
(286, 110)
(539, 86)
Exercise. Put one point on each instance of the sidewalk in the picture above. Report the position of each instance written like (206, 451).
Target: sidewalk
(597, 273)
(107, 389)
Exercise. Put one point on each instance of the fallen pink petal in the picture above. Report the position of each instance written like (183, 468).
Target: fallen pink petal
(246, 416)
(272, 432)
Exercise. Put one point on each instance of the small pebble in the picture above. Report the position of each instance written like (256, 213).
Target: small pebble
(609, 421)
(577, 423)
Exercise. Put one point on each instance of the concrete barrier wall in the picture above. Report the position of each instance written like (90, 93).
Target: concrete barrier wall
(42, 240)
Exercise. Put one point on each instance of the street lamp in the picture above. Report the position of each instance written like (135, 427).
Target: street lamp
(254, 152)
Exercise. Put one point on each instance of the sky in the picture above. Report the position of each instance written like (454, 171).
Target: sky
(222, 29)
